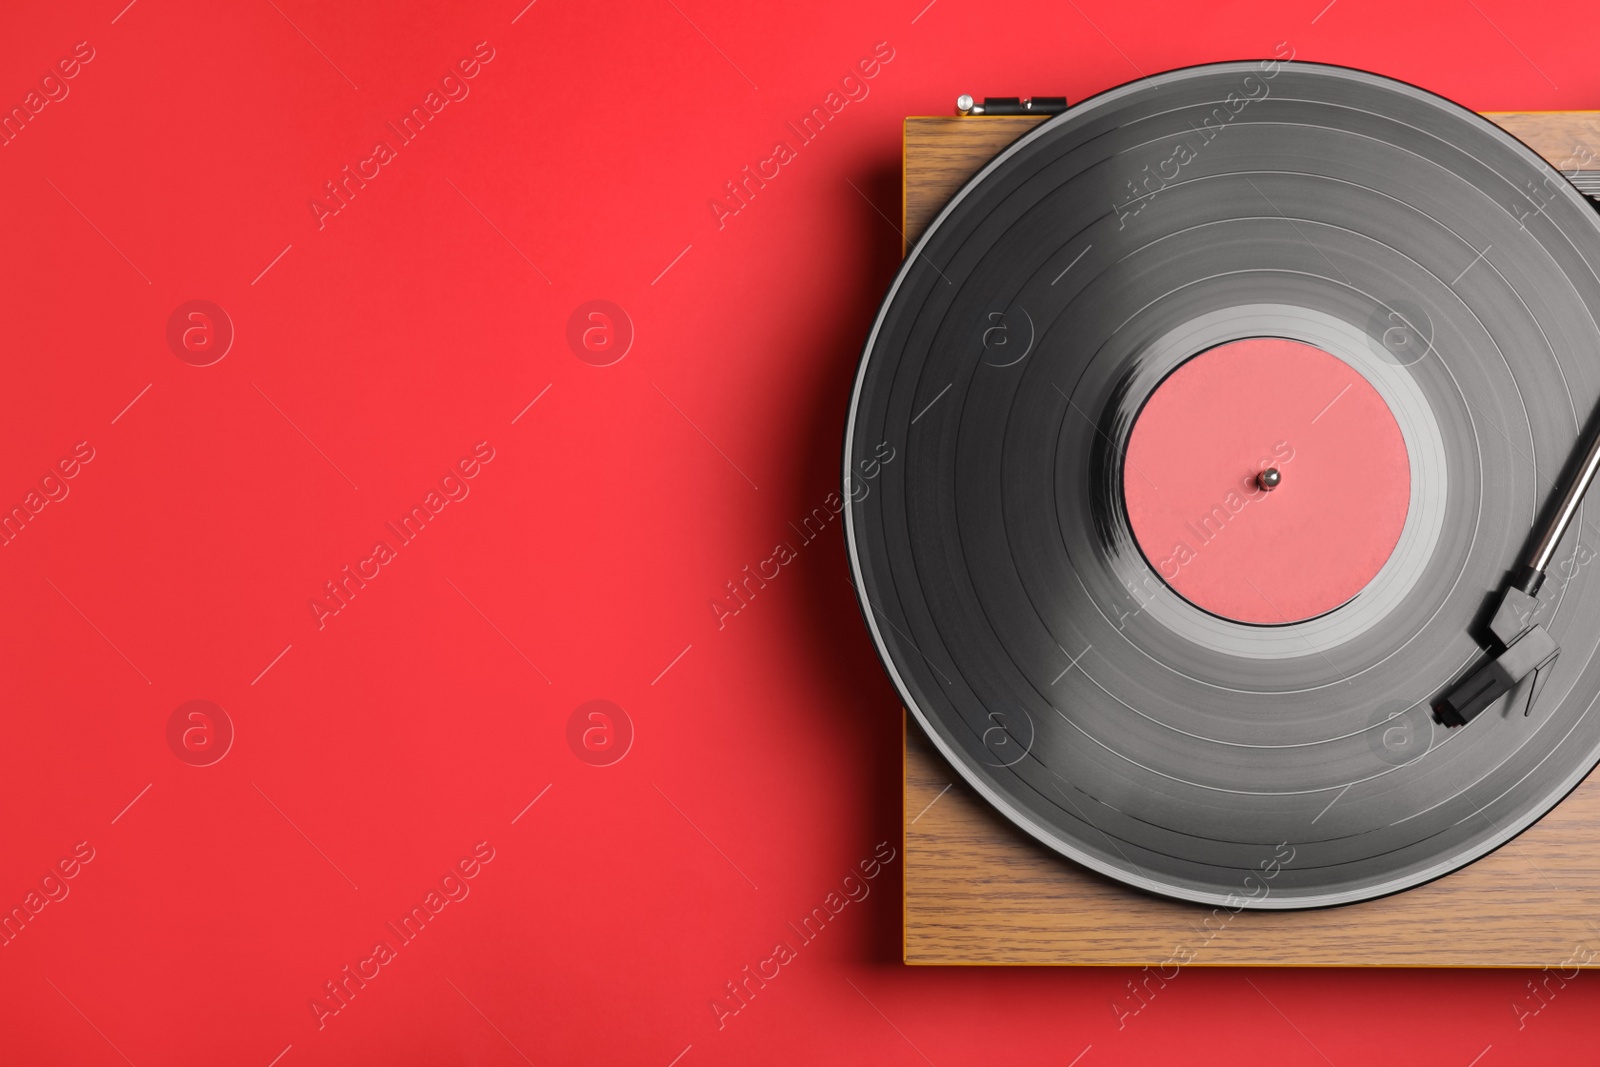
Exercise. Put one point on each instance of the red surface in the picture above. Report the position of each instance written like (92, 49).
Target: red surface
(1233, 548)
(763, 766)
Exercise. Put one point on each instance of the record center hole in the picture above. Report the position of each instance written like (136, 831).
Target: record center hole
(1221, 427)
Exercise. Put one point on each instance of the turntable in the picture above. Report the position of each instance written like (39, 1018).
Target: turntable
(1233, 405)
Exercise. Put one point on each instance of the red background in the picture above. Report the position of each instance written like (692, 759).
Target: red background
(378, 750)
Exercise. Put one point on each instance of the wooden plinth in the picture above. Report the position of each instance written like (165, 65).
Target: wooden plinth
(979, 891)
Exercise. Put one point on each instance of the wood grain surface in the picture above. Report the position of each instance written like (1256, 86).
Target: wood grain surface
(979, 891)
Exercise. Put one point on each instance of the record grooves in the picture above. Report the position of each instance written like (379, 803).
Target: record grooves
(1050, 657)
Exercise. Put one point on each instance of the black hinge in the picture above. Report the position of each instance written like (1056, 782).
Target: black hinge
(1011, 105)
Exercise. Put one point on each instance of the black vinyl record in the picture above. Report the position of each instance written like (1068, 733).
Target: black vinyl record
(1170, 748)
